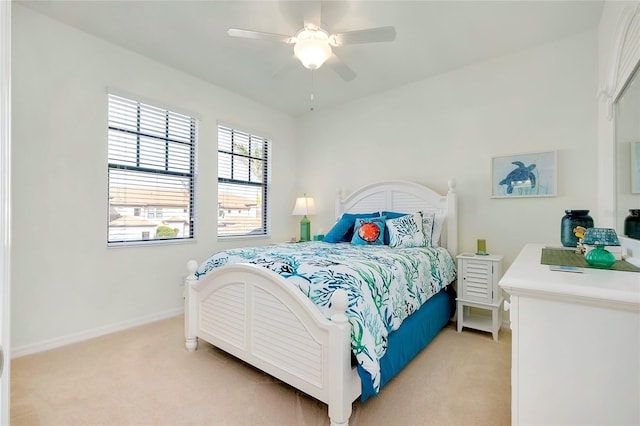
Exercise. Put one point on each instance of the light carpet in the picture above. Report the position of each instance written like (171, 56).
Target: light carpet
(144, 376)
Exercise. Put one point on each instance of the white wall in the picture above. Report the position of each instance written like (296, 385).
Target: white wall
(66, 283)
(451, 125)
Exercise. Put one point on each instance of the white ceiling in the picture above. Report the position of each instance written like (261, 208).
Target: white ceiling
(432, 37)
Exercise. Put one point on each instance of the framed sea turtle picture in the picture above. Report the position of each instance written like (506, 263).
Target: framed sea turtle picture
(524, 175)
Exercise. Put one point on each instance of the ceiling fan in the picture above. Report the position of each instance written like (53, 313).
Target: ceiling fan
(313, 45)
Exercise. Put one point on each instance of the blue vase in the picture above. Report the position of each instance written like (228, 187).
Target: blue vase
(570, 220)
(632, 224)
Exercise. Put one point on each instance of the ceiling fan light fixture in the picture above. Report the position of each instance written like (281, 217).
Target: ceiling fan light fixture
(312, 48)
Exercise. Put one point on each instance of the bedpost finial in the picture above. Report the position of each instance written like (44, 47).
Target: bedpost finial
(452, 185)
(339, 303)
(192, 266)
(340, 300)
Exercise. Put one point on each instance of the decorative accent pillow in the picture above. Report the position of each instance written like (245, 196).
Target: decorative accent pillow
(406, 231)
(437, 225)
(428, 224)
(343, 229)
(390, 215)
(369, 231)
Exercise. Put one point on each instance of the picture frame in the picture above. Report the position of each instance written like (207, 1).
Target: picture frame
(635, 167)
(524, 175)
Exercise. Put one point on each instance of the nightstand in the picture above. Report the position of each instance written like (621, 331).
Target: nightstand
(478, 278)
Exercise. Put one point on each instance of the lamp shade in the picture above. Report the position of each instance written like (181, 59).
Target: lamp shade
(603, 236)
(304, 206)
(312, 48)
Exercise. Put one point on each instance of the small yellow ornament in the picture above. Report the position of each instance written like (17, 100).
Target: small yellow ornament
(579, 232)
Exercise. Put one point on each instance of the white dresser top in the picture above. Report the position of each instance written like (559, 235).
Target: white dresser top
(609, 289)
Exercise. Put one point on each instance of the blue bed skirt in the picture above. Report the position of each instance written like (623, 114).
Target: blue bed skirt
(415, 333)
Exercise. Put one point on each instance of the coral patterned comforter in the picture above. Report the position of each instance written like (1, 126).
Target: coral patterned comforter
(385, 285)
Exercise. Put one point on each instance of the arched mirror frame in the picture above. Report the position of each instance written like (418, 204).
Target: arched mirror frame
(625, 60)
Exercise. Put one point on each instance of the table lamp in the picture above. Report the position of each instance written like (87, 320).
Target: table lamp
(304, 206)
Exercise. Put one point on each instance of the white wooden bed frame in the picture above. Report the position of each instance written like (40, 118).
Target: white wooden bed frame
(259, 317)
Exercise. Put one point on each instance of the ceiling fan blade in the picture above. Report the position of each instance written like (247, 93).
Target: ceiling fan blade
(371, 35)
(286, 68)
(257, 35)
(340, 68)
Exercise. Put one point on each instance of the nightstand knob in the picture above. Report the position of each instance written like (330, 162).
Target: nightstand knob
(507, 305)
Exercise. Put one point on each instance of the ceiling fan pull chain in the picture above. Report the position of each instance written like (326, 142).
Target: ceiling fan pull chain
(312, 74)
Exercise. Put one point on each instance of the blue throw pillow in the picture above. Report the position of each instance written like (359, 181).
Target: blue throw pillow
(369, 231)
(390, 215)
(393, 215)
(343, 229)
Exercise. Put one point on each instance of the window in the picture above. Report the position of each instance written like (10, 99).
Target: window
(154, 213)
(151, 158)
(243, 183)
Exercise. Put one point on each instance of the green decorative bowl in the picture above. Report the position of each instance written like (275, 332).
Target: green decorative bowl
(600, 257)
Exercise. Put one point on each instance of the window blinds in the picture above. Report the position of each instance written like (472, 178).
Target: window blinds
(151, 157)
(243, 183)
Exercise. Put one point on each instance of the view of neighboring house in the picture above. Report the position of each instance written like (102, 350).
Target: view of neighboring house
(131, 217)
(237, 214)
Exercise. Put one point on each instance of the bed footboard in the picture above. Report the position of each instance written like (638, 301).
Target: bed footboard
(256, 315)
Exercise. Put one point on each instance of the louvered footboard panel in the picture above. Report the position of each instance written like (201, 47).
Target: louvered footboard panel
(279, 337)
(224, 315)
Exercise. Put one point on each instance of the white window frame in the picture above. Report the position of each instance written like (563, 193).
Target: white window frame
(229, 131)
(151, 165)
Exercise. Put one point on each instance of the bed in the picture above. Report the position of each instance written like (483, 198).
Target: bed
(262, 317)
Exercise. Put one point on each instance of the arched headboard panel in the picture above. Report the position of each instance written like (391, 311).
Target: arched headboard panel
(406, 197)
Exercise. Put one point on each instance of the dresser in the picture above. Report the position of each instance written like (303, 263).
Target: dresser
(575, 344)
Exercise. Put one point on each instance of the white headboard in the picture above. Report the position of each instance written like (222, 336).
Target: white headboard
(406, 197)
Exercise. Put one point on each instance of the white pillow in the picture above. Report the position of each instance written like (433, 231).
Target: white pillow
(438, 224)
(428, 225)
(407, 231)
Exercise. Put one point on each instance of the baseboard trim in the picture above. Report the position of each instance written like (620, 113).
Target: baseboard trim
(17, 352)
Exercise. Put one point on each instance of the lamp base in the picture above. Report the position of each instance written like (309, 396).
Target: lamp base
(305, 229)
